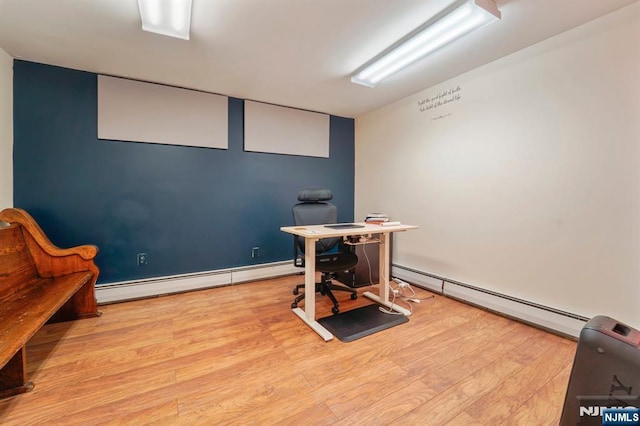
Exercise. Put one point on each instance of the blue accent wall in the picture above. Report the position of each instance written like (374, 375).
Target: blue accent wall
(190, 209)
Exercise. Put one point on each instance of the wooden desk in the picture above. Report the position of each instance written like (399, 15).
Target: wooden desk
(311, 235)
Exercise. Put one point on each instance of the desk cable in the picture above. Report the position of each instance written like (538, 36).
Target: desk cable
(400, 292)
(364, 250)
(363, 241)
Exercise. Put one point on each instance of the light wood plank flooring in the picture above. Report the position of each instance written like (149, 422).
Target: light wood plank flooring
(238, 355)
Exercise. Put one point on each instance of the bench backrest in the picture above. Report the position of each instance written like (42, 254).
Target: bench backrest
(16, 263)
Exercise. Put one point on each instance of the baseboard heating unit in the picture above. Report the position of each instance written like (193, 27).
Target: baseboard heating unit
(139, 289)
(556, 320)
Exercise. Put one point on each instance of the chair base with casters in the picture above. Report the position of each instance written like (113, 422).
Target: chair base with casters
(325, 287)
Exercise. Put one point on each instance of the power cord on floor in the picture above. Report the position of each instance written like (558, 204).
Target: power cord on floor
(390, 311)
(401, 292)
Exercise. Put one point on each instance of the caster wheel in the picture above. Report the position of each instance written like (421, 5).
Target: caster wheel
(335, 310)
(294, 305)
(354, 296)
(295, 291)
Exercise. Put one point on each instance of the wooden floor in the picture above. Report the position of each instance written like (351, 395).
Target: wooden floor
(238, 355)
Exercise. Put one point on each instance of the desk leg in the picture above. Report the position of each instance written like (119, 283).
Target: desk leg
(309, 313)
(383, 276)
(383, 272)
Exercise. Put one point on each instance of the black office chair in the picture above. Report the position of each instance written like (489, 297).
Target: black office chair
(313, 209)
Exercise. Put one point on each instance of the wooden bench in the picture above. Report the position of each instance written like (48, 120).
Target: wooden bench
(39, 283)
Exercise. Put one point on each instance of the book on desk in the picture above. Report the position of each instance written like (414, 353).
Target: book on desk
(381, 219)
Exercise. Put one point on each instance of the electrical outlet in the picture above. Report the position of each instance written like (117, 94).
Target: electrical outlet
(142, 259)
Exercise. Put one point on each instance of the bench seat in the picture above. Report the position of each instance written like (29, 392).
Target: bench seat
(28, 310)
(39, 283)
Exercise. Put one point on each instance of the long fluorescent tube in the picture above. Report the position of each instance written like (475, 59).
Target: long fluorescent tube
(462, 17)
(167, 17)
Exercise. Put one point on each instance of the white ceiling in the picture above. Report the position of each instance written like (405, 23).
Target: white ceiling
(297, 53)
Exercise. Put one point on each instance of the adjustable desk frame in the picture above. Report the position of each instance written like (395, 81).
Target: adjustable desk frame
(311, 235)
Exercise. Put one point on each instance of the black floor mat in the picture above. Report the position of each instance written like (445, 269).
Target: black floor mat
(360, 322)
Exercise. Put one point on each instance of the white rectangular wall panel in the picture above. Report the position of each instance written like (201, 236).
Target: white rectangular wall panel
(281, 130)
(130, 110)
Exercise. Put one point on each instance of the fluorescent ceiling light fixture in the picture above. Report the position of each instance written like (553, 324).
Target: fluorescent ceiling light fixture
(462, 17)
(167, 17)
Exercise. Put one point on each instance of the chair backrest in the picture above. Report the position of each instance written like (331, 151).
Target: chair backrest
(314, 209)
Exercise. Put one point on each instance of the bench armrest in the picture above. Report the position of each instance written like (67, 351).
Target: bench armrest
(21, 217)
(50, 260)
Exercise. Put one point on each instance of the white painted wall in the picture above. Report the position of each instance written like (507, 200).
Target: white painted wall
(527, 182)
(6, 130)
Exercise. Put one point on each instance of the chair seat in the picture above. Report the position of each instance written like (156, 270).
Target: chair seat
(336, 262)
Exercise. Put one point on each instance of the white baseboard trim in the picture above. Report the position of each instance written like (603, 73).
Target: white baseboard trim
(543, 316)
(139, 289)
(261, 272)
(423, 280)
